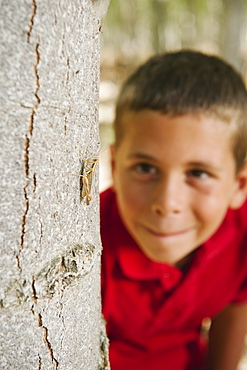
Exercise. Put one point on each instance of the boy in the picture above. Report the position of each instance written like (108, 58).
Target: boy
(174, 225)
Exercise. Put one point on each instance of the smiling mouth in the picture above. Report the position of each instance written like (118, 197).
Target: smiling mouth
(167, 234)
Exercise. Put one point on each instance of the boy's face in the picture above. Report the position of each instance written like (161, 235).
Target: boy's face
(174, 178)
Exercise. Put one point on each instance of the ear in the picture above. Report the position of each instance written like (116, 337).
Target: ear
(240, 192)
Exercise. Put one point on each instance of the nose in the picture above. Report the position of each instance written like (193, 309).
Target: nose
(169, 197)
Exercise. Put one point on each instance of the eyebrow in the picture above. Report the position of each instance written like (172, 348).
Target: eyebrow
(141, 156)
(205, 165)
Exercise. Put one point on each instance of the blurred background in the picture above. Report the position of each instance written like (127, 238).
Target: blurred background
(134, 30)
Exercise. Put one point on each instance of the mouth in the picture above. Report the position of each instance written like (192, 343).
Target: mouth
(168, 234)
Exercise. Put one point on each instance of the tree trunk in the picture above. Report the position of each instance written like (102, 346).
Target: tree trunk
(158, 22)
(50, 244)
(232, 28)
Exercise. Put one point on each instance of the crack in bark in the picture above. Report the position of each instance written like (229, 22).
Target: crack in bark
(32, 20)
(34, 182)
(26, 158)
(18, 262)
(46, 340)
(40, 363)
(37, 75)
(65, 125)
(41, 231)
(67, 74)
(32, 310)
(40, 324)
(27, 147)
(34, 291)
(23, 221)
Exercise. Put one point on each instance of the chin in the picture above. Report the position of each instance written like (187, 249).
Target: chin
(171, 255)
(160, 257)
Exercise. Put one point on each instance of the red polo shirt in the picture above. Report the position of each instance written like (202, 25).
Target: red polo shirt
(153, 310)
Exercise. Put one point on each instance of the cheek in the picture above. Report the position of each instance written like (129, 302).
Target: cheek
(211, 211)
(129, 208)
(132, 198)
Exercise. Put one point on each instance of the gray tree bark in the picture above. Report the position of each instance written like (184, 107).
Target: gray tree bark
(50, 314)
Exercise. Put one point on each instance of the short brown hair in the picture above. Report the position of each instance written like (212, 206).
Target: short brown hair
(188, 82)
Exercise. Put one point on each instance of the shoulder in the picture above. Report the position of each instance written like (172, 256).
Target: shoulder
(228, 245)
(107, 206)
(236, 220)
(110, 223)
(242, 215)
(106, 197)
(231, 237)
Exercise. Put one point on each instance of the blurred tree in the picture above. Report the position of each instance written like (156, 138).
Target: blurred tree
(158, 22)
(233, 27)
(134, 30)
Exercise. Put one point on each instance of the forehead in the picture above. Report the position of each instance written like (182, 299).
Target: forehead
(152, 121)
(151, 131)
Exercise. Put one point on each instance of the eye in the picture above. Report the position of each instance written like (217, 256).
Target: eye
(199, 174)
(145, 169)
